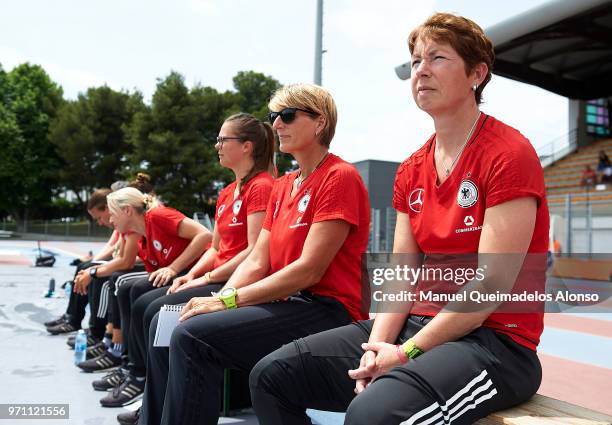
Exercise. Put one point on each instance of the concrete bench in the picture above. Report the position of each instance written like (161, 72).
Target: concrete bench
(540, 410)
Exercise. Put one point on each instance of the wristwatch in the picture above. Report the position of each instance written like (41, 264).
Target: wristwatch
(411, 350)
(93, 271)
(228, 296)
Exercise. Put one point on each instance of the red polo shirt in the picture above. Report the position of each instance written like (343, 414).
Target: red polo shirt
(498, 165)
(161, 244)
(232, 214)
(334, 191)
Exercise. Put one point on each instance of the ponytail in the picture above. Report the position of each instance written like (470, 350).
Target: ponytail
(262, 136)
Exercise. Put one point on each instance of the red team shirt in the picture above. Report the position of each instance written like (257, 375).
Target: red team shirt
(161, 244)
(232, 214)
(334, 191)
(498, 165)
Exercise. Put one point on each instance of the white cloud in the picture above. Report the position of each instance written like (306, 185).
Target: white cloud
(369, 24)
(204, 7)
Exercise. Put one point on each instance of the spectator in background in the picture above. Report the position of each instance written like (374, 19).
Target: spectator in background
(606, 176)
(604, 161)
(589, 177)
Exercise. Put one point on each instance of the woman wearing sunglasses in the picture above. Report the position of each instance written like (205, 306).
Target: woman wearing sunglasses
(246, 146)
(303, 275)
(475, 187)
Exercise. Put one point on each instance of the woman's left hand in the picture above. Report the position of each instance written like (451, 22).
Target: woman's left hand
(386, 359)
(201, 305)
(161, 277)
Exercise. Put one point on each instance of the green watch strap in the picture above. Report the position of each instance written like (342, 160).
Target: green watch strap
(411, 349)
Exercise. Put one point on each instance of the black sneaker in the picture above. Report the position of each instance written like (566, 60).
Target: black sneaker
(102, 362)
(63, 318)
(128, 392)
(62, 328)
(129, 418)
(95, 350)
(90, 340)
(109, 381)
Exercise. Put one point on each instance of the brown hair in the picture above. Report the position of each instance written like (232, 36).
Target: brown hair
(260, 134)
(97, 199)
(310, 97)
(463, 35)
(142, 183)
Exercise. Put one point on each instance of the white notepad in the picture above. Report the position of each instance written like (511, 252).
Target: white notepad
(167, 321)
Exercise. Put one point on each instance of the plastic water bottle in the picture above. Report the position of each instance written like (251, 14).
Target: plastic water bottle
(80, 347)
(51, 290)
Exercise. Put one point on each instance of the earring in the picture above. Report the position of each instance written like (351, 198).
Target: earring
(474, 87)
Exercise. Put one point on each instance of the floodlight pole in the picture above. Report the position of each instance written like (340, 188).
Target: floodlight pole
(319, 44)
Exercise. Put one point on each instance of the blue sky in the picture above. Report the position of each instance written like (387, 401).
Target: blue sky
(129, 44)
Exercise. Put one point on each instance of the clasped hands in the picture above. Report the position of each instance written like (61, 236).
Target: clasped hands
(378, 359)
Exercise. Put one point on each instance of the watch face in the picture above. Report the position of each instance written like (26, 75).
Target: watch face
(227, 292)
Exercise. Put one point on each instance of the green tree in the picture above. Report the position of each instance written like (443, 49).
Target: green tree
(89, 135)
(29, 164)
(168, 140)
(174, 139)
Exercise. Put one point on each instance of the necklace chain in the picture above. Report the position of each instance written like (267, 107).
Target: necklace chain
(301, 179)
(447, 170)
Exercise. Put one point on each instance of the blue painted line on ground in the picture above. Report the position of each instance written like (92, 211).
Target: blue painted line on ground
(579, 347)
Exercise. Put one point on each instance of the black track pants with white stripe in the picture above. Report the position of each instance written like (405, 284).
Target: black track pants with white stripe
(455, 383)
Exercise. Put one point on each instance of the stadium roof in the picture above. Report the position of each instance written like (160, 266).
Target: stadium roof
(564, 46)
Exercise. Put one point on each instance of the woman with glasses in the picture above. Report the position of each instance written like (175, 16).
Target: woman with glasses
(303, 275)
(245, 145)
(475, 188)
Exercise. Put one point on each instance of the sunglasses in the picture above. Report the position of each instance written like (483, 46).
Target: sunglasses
(287, 115)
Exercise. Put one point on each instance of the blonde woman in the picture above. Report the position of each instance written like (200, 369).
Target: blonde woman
(302, 276)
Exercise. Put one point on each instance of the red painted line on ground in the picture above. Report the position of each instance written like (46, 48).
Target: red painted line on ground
(15, 260)
(576, 323)
(578, 383)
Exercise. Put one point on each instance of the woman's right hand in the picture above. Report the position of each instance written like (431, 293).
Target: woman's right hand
(193, 283)
(178, 282)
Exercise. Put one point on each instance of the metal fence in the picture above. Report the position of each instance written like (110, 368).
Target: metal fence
(558, 148)
(581, 225)
(57, 228)
(382, 230)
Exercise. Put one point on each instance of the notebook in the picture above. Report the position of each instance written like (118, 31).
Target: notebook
(167, 321)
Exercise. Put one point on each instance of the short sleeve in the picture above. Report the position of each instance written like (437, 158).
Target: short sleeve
(515, 174)
(399, 189)
(339, 196)
(258, 196)
(277, 187)
(167, 220)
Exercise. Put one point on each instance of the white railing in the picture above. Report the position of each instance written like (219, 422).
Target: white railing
(558, 148)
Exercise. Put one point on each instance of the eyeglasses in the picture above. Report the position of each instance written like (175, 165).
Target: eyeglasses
(287, 115)
(223, 139)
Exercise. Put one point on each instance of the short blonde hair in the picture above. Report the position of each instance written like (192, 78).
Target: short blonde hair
(310, 97)
(130, 197)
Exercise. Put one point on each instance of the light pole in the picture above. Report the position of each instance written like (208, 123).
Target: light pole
(319, 44)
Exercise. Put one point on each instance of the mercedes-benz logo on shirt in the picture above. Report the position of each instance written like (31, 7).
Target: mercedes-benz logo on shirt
(415, 200)
(221, 208)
